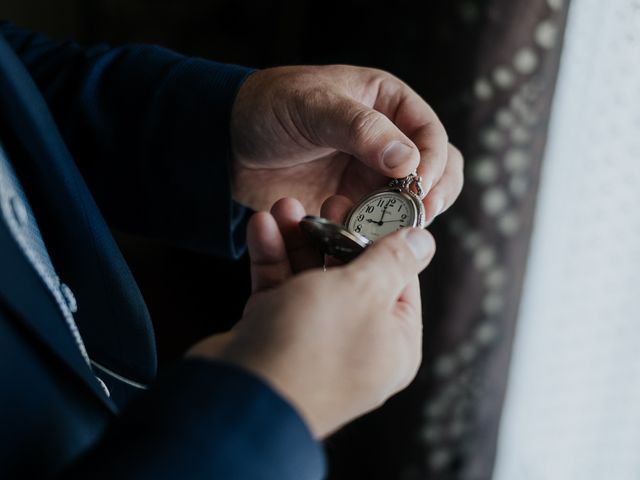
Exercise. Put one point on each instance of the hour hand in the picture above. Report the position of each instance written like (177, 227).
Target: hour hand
(370, 220)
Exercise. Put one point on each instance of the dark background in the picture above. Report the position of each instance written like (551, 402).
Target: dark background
(428, 44)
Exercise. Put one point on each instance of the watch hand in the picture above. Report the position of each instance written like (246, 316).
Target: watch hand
(374, 221)
(384, 211)
(389, 221)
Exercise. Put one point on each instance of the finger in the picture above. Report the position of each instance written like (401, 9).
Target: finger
(432, 142)
(352, 127)
(386, 268)
(336, 208)
(420, 123)
(288, 212)
(445, 192)
(267, 253)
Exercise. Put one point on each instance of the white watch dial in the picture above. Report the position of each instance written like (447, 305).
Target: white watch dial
(381, 214)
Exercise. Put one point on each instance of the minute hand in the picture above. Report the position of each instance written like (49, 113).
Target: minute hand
(384, 211)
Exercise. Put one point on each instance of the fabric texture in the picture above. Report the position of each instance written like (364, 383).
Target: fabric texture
(19, 217)
(205, 420)
(125, 116)
(572, 396)
(484, 239)
(172, 123)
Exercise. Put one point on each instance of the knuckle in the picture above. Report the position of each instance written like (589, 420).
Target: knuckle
(459, 170)
(409, 376)
(379, 400)
(363, 125)
(395, 259)
(459, 186)
(437, 129)
(381, 72)
(397, 250)
(310, 101)
(443, 132)
(455, 150)
(313, 95)
(305, 102)
(376, 76)
(456, 156)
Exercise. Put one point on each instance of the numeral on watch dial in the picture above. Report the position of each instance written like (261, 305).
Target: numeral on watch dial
(380, 215)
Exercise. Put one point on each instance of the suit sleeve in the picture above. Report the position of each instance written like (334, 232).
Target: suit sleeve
(149, 130)
(205, 420)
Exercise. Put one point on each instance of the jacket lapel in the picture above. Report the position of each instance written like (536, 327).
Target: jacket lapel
(24, 292)
(111, 316)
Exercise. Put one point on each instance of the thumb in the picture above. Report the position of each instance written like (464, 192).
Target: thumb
(390, 264)
(370, 136)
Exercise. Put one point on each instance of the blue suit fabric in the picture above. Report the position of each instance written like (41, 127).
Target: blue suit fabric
(134, 138)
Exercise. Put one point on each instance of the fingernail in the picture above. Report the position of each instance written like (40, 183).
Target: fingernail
(396, 154)
(420, 243)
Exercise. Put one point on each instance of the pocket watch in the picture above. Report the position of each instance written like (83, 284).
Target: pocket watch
(374, 216)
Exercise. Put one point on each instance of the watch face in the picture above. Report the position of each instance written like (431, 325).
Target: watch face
(382, 213)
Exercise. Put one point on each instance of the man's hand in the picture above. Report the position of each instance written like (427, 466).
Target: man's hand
(313, 132)
(338, 343)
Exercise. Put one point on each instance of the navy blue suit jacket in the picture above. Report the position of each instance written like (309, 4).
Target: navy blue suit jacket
(135, 137)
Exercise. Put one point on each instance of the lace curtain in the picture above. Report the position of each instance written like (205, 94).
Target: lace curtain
(574, 388)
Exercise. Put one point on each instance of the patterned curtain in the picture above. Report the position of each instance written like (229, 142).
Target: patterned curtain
(445, 425)
(489, 68)
(486, 239)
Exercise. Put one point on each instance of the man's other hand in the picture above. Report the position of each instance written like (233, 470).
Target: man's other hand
(311, 132)
(336, 344)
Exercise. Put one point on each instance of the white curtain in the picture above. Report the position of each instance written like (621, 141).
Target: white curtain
(573, 400)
